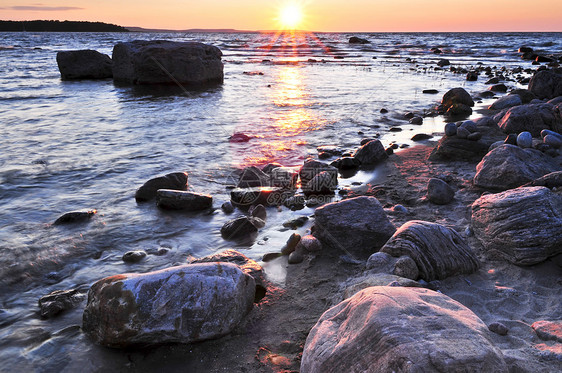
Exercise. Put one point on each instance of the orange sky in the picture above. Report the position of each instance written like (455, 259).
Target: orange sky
(319, 15)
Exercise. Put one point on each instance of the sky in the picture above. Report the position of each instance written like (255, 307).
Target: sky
(317, 15)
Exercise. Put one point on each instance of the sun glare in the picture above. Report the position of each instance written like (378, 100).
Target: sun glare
(290, 16)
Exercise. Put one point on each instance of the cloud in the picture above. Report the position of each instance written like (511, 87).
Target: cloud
(43, 8)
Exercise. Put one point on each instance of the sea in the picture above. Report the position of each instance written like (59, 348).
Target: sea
(85, 145)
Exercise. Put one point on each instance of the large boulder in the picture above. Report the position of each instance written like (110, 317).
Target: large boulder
(524, 225)
(532, 118)
(371, 153)
(167, 62)
(546, 84)
(439, 251)
(356, 225)
(509, 166)
(174, 181)
(400, 329)
(84, 64)
(182, 304)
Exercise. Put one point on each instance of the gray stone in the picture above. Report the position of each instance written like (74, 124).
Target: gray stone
(296, 257)
(227, 207)
(406, 267)
(469, 125)
(400, 329)
(355, 225)
(551, 180)
(416, 120)
(462, 133)
(498, 328)
(506, 102)
(381, 262)
(59, 301)
(552, 133)
(134, 256)
(75, 217)
(182, 200)
(182, 304)
(84, 64)
(450, 129)
(439, 252)
(509, 166)
(525, 95)
(524, 225)
(439, 192)
(371, 153)
(525, 139)
(323, 183)
(310, 244)
(532, 118)
(167, 62)
(553, 141)
(258, 211)
(311, 168)
(241, 227)
(175, 181)
(546, 84)
(475, 136)
(443, 62)
(291, 244)
(456, 96)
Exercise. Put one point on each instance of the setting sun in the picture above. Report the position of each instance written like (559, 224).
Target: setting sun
(290, 16)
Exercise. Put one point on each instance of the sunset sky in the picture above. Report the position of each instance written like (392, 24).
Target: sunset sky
(317, 15)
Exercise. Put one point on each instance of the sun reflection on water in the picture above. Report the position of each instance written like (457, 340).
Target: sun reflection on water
(282, 136)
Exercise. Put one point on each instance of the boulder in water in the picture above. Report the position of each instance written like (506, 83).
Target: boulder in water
(84, 64)
(174, 181)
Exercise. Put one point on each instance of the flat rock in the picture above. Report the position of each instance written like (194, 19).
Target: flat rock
(182, 200)
(400, 329)
(524, 225)
(182, 304)
(509, 166)
(174, 181)
(84, 64)
(438, 251)
(355, 225)
(167, 62)
(532, 118)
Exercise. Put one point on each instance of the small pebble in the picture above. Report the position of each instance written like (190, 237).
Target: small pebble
(450, 129)
(498, 328)
(525, 140)
(416, 120)
(553, 141)
(400, 209)
(384, 111)
(296, 257)
(227, 207)
(462, 133)
(470, 126)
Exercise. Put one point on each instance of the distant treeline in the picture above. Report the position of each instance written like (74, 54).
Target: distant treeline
(60, 26)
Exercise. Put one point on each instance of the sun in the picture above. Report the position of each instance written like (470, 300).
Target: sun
(290, 16)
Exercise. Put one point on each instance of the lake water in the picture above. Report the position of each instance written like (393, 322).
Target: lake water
(81, 145)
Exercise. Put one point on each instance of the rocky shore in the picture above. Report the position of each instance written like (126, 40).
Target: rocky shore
(451, 263)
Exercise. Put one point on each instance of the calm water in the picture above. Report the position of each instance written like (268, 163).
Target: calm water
(70, 146)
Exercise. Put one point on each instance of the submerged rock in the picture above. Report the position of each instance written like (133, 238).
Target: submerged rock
(355, 225)
(400, 329)
(59, 301)
(524, 225)
(75, 217)
(181, 304)
(167, 62)
(84, 64)
(174, 181)
(134, 256)
(357, 40)
(438, 251)
(509, 166)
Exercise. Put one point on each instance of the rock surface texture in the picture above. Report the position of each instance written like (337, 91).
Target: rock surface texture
(182, 304)
(398, 329)
(182, 200)
(167, 62)
(439, 251)
(546, 84)
(84, 64)
(355, 225)
(524, 225)
(509, 166)
(532, 118)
